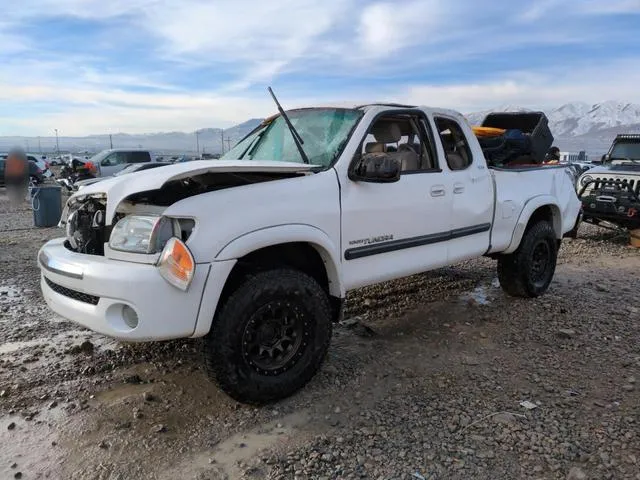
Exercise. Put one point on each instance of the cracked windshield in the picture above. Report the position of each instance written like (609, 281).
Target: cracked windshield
(324, 132)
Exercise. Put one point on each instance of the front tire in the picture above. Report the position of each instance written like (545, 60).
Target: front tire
(528, 271)
(270, 336)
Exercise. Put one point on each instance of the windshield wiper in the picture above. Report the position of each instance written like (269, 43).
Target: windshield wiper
(297, 139)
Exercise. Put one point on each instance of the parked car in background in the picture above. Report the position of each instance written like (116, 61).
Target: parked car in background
(611, 192)
(135, 167)
(36, 174)
(42, 164)
(113, 160)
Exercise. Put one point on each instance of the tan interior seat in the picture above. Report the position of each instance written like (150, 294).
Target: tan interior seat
(374, 147)
(390, 132)
(455, 161)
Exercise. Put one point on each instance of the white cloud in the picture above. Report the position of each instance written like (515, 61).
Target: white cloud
(592, 84)
(265, 37)
(255, 42)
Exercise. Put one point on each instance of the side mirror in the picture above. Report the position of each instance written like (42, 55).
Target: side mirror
(376, 168)
(605, 158)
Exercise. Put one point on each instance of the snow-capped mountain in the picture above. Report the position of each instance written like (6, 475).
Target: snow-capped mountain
(601, 120)
(576, 119)
(476, 118)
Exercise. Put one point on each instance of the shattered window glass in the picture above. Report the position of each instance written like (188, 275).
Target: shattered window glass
(324, 132)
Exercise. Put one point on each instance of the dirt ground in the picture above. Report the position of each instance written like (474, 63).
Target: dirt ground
(424, 380)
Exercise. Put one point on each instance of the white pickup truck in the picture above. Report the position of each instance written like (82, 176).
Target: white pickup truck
(255, 252)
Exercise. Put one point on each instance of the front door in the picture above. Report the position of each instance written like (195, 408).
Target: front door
(396, 229)
(472, 191)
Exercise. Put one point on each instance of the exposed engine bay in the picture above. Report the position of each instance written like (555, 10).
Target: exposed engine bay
(86, 224)
(85, 227)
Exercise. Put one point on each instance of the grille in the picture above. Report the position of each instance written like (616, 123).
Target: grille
(623, 182)
(74, 294)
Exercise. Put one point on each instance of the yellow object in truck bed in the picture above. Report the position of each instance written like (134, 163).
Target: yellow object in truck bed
(488, 131)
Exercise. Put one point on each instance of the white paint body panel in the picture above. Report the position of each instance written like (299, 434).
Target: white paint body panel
(326, 210)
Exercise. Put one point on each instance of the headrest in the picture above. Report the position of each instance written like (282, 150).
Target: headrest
(374, 147)
(386, 132)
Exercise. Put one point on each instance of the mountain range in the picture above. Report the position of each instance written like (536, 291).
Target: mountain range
(205, 140)
(581, 126)
(575, 126)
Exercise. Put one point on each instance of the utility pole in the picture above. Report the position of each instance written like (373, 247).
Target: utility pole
(228, 140)
(110, 142)
(222, 140)
(198, 142)
(57, 144)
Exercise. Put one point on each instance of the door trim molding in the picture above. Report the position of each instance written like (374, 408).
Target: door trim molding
(401, 244)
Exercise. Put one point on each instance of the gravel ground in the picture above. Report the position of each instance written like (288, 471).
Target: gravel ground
(425, 379)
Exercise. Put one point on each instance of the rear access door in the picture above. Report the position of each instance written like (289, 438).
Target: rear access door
(471, 189)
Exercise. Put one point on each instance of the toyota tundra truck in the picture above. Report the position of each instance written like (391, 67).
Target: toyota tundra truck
(256, 251)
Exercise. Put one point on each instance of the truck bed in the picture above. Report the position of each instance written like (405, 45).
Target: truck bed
(516, 189)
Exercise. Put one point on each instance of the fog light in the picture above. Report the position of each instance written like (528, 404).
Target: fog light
(129, 316)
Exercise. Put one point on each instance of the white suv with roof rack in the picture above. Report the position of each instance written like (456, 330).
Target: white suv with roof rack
(610, 193)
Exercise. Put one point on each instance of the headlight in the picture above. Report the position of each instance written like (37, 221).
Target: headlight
(585, 179)
(143, 233)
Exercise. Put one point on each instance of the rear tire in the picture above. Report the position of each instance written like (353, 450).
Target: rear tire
(270, 336)
(529, 270)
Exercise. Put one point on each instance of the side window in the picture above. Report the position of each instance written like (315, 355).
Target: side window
(116, 158)
(402, 136)
(455, 145)
(138, 157)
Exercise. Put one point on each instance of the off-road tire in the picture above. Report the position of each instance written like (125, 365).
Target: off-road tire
(516, 271)
(225, 356)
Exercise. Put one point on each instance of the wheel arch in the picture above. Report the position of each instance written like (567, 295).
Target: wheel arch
(287, 235)
(299, 246)
(543, 207)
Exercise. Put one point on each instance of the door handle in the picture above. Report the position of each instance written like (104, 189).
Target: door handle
(437, 191)
(458, 188)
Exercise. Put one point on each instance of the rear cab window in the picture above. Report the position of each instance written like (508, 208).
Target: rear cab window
(454, 143)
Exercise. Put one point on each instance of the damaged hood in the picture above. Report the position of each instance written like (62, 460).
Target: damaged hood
(117, 189)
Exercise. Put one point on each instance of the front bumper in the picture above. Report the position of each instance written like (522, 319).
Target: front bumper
(92, 291)
(614, 209)
(611, 201)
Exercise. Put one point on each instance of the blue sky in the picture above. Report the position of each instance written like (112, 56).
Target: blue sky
(108, 66)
